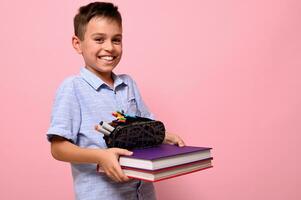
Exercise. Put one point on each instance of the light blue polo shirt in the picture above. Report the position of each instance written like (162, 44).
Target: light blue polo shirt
(83, 101)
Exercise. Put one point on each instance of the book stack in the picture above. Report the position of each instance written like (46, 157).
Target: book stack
(165, 161)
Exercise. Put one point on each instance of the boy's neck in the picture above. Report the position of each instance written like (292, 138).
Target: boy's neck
(108, 80)
(105, 77)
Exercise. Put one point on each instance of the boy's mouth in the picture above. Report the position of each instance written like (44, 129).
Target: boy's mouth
(107, 58)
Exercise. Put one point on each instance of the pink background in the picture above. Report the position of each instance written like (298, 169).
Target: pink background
(224, 74)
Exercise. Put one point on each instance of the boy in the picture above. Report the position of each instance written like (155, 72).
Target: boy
(82, 101)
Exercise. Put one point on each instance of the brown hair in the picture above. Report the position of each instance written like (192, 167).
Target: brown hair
(96, 9)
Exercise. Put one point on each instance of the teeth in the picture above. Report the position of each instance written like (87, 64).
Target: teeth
(108, 58)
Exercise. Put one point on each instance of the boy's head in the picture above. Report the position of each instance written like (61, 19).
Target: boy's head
(98, 37)
(96, 9)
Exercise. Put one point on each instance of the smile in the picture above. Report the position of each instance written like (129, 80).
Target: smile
(107, 58)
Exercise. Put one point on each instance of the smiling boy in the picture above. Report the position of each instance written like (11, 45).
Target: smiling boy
(100, 46)
(84, 100)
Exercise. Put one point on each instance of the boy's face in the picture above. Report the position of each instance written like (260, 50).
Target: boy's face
(101, 47)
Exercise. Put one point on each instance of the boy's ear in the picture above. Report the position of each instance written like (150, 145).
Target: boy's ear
(76, 43)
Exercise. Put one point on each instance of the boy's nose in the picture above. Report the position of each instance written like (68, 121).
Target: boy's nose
(108, 46)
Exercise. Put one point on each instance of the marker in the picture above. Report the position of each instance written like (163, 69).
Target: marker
(102, 130)
(120, 113)
(130, 116)
(121, 118)
(107, 126)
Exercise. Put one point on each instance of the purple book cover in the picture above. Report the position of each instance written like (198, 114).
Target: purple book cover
(164, 150)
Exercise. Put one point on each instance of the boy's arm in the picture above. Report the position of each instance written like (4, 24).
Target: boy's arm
(63, 150)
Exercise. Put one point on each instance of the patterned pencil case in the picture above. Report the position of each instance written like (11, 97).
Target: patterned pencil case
(135, 132)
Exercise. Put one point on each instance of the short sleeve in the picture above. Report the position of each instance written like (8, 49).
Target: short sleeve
(143, 109)
(65, 117)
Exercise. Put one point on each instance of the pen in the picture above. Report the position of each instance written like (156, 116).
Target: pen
(99, 128)
(107, 126)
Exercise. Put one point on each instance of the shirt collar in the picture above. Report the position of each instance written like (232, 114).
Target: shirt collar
(96, 82)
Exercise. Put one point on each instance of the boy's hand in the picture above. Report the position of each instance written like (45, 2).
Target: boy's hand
(171, 138)
(110, 165)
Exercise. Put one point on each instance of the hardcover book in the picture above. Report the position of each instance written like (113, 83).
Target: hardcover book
(164, 156)
(167, 173)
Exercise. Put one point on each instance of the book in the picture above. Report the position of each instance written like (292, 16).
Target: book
(167, 173)
(164, 156)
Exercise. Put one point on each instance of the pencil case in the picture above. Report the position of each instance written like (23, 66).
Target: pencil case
(137, 132)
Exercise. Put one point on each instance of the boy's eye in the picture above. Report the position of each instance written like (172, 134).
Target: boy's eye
(117, 41)
(99, 40)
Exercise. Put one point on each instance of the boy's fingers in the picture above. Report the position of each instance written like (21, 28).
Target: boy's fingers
(116, 176)
(120, 175)
(124, 152)
(112, 175)
(124, 178)
(181, 143)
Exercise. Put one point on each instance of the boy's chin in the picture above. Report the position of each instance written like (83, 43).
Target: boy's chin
(107, 69)
(104, 71)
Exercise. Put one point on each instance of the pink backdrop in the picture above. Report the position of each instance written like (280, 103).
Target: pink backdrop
(224, 74)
